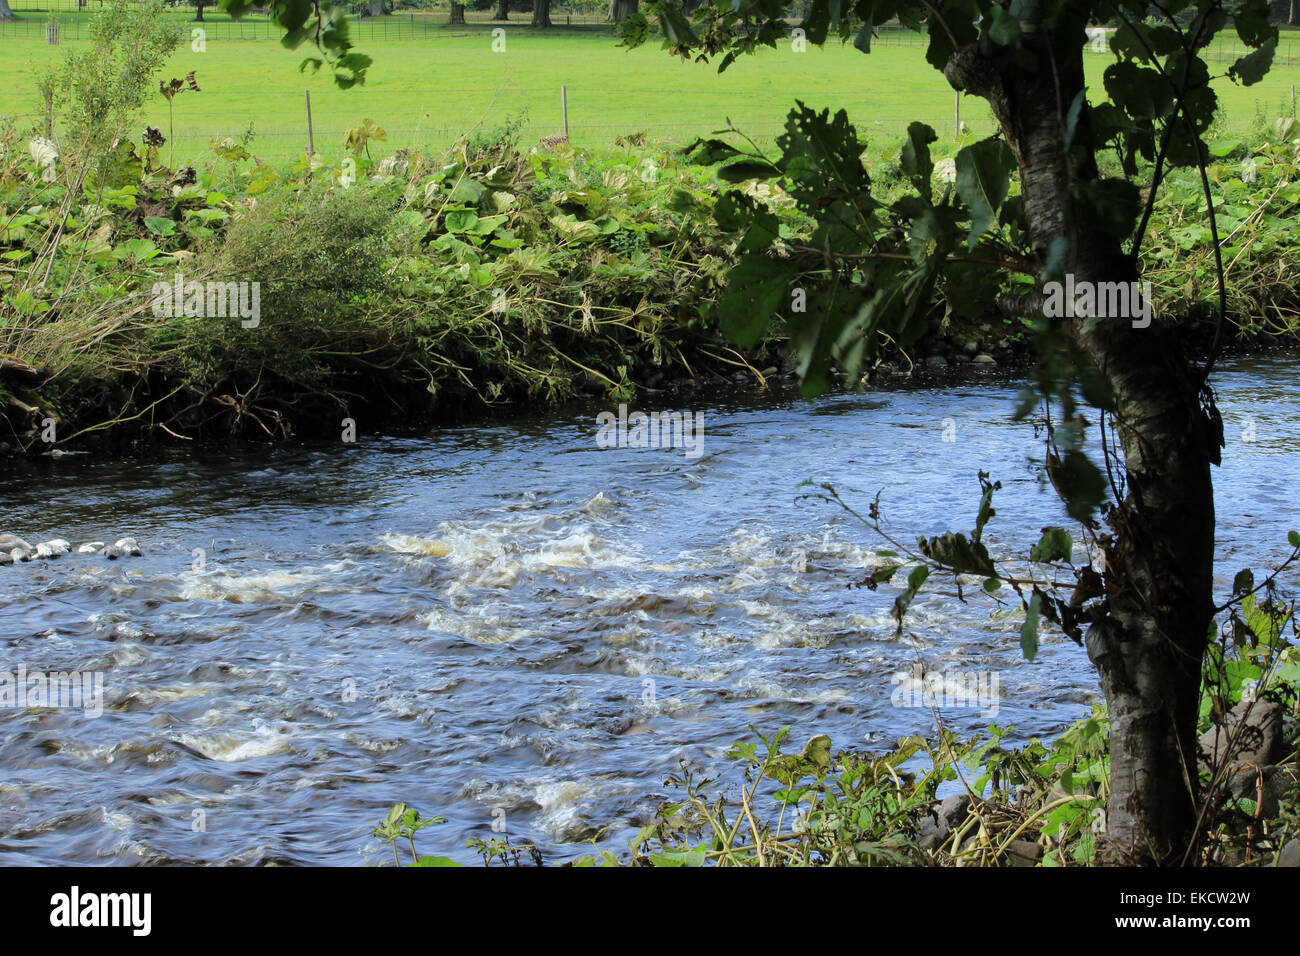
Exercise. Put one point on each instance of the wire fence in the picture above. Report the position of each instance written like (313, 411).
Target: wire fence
(409, 25)
(363, 28)
(273, 125)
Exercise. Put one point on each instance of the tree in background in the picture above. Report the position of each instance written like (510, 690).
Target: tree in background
(620, 10)
(541, 13)
(457, 17)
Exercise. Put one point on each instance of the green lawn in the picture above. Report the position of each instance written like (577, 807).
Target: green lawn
(427, 88)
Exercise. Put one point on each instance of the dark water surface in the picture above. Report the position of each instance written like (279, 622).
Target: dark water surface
(509, 618)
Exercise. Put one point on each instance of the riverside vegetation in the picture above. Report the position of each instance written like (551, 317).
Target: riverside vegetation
(492, 275)
(435, 286)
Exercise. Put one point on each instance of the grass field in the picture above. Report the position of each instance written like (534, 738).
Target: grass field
(433, 83)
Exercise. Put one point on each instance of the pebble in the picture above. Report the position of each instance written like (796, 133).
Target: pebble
(984, 359)
(122, 547)
(936, 361)
(14, 549)
(51, 549)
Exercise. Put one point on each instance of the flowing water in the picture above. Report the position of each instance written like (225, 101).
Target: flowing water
(508, 623)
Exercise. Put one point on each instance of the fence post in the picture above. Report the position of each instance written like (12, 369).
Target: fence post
(956, 115)
(311, 146)
(564, 110)
(1293, 101)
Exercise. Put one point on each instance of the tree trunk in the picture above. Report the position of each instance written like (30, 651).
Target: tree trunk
(1148, 639)
(619, 10)
(5, 12)
(198, 13)
(457, 17)
(541, 13)
(503, 10)
(1292, 18)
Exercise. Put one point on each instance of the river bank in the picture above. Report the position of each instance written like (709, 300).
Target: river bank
(381, 297)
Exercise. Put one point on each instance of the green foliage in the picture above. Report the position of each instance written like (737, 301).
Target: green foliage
(99, 90)
(404, 822)
(484, 275)
(1256, 201)
(869, 274)
(324, 24)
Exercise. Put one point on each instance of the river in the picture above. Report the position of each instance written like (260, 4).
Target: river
(505, 622)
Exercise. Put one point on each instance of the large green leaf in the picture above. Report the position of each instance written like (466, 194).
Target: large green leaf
(915, 159)
(1081, 484)
(983, 178)
(757, 287)
(1250, 69)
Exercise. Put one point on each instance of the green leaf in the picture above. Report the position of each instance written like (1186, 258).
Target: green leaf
(706, 152)
(915, 159)
(915, 578)
(160, 226)
(1139, 91)
(1081, 484)
(746, 169)
(983, 178)
(958, 554)
(1029, 630)
(757, 287)
(467, 191)
(882, 575)
(1252, 67)
(676, 28)
(1115, 202)
(461, 220)
(1004, 27)
(1244, 582)
(1055, 545)
(435, 861)
(139, 250)
(862, 39)
(680, 858)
